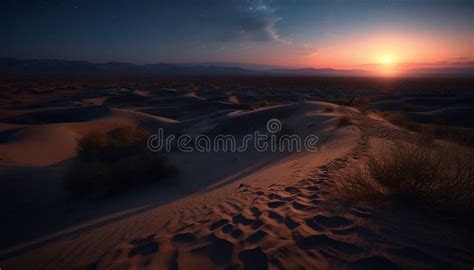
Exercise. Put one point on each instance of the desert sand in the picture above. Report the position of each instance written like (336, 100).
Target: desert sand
(246, 210)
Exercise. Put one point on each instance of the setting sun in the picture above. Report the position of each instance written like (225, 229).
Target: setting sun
(387, 65)
(388, 59)
(239, 134)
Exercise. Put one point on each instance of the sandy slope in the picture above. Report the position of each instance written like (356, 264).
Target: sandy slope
(50, 143)
(202, 210)
(224, 211)
(281, 215)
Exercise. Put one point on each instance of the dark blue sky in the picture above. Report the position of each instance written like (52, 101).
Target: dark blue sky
(293, 33)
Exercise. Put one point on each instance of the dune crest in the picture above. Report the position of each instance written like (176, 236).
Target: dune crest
(223, 210)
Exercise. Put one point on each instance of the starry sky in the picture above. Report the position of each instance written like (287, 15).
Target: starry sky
(292, 33)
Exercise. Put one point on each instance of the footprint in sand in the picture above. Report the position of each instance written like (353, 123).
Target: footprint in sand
(254, 259)
(255, 211)
(257, 236)
(237, 233)
(300, 206)
(273, 196)
(218, 224)
(331, 222)
(275, 216)
(313, 196)
(219, 250)
(290, 223)
(292, 190)
(276, 204)
(325, 243)
(227, 228)
(312, 188)
(313, 225)
(143, 246)
(239, 218)
(257, 224)
(184, 238)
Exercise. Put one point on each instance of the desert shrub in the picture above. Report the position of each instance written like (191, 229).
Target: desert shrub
(345, 101)
(397, 119)
(452, 134)
(430, 132)
(112, 146)
(359, 102)
(329, 109)
(442, 177)
(344, 120)
(114, 162)
(263, 103)
(425, 137)
(343, 109)
(301, 100)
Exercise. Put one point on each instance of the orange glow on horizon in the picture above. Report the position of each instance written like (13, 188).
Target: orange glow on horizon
(387, 54)
(387, 65)
(388, 59)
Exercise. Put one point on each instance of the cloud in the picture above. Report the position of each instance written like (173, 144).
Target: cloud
(255, 29)
(253, 21)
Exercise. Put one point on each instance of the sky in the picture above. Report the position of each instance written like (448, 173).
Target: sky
(291, 33)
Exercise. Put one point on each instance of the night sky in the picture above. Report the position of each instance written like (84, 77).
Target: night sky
(288, 33)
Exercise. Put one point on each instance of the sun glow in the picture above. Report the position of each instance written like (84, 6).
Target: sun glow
(384, 53)
(387, 64)
(387, 59)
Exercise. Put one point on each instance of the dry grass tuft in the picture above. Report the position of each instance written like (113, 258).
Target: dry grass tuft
(262, 104)
(359, 102)
(397, 119)
(112, 163)
(441, 178)
(344, 120)
(115, 145)
(329, 109)
(433, 131)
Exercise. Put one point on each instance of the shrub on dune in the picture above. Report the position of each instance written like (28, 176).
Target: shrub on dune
(329, 109)
(112, 146)
(417, 173)
(359, 102)
(111, 163)
(344, 120)
(263, 103)
(397, 119)
(441, 131)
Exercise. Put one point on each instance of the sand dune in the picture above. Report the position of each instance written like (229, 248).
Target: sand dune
(59, 115)
(47, 144)
(270, 175)
(455, 116)
(444, 111)
(225, 210)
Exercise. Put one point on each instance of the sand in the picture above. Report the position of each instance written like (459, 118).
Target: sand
(246, 210)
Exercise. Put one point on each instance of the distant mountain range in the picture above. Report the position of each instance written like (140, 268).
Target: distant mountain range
(16, 67)
(10, 66)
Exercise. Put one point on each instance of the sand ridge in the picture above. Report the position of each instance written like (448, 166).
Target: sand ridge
(248, 211)
(280, 217)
